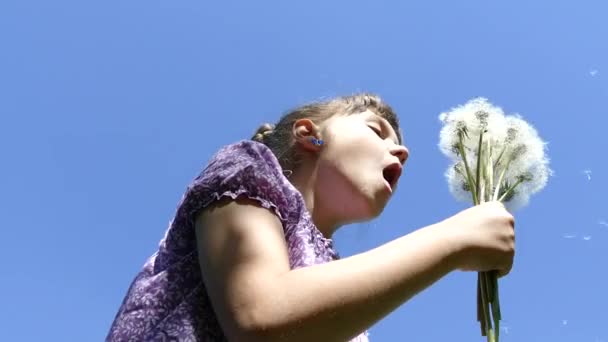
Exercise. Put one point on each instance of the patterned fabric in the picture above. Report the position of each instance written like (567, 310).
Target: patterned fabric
(167, 300)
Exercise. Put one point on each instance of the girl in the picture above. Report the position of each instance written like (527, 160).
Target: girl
(249, 255)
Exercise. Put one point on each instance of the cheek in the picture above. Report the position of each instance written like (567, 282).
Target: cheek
(356, 141)
(356, 157)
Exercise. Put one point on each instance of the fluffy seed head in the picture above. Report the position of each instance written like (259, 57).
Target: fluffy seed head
(514, 137)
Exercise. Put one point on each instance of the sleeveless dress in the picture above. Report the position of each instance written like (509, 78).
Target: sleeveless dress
(167, 300)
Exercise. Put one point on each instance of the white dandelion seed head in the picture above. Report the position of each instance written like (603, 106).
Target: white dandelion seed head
(456, 183)
(475, 116)
(540, 176)
(510, 138)
(535, 177)
(519, 200)
(448, 139)
(525, 134)
(532, 160)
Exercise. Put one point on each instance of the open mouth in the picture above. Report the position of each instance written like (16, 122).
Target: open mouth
(391, 174)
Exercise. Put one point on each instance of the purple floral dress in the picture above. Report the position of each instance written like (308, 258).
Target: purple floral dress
(167, 300)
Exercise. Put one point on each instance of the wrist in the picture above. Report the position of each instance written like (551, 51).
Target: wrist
(451, 243)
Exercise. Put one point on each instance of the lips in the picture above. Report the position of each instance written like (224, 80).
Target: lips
(391, 174)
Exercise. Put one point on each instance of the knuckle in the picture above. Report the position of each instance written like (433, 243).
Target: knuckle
(504, 270)
(511, 256)
(511, 245)
(508, 249)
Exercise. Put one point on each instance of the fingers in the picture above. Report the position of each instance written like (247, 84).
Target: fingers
(503, 272)
(506, 269)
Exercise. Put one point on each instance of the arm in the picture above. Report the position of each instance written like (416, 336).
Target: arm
(256, 297)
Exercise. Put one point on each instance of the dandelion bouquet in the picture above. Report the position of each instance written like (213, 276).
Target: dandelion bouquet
(495, 158)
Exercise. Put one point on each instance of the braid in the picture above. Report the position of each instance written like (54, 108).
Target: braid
(262, 132)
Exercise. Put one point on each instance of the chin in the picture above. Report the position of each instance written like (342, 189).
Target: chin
(378, 209)
(358, 201)
(375, 204)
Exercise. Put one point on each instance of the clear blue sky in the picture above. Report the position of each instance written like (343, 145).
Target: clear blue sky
(109, 109)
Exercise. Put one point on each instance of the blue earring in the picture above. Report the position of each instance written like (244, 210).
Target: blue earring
(316, 141)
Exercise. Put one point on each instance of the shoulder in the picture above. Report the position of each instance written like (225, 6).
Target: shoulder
(242, 153)
(243, 169)
(239, 159)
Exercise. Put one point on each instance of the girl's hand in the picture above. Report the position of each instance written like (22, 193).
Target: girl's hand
(485, 238)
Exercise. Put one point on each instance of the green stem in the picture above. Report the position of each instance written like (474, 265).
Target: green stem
(490, 171)
(491, 337)
(495, 303)
(481, 189)
(496, 297)
(510, 189)
(484, 304)
(502, 174)
(489, 285)
(479, 307)
(500, 156)
(489, 292)
(472, 185)
(491, 277)
(479, 164)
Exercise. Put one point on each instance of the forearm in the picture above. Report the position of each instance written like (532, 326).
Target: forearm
(337, 300)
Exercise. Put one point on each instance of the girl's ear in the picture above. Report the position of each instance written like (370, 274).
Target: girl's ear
(307, 134)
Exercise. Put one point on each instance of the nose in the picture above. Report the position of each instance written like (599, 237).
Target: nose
(400, 152)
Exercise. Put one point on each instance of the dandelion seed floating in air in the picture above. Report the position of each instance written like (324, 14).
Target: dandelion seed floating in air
(588, 174)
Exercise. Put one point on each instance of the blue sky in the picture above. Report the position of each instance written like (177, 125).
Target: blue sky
(109, 109)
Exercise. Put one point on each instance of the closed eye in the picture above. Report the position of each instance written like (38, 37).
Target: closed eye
(377, 131)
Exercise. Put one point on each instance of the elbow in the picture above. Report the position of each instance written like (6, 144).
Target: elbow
(254, 325)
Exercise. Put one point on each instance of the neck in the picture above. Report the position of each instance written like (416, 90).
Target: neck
(305, 180)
